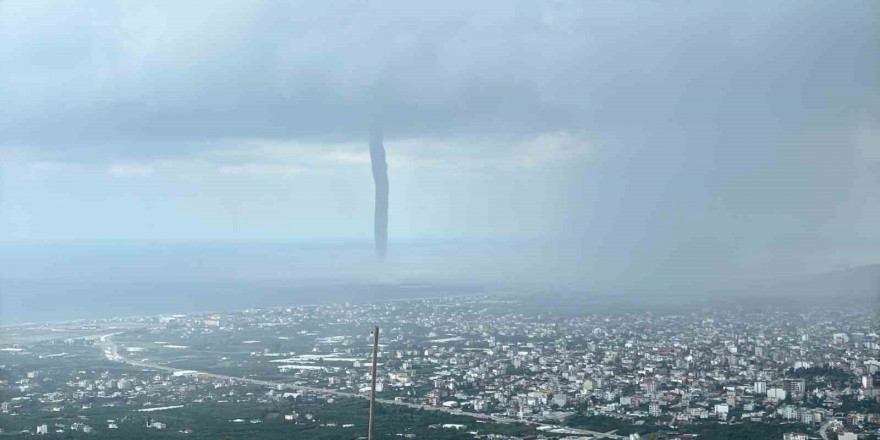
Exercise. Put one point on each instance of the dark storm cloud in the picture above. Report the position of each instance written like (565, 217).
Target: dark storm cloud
(170, 72)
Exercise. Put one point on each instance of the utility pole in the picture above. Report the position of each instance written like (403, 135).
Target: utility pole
(373, 387)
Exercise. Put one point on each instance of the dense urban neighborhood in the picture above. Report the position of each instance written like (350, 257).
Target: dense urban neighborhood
(487, 366)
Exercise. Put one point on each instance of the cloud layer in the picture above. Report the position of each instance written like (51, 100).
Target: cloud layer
(118, 74)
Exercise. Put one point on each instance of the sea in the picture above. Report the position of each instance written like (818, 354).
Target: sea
(46, 282)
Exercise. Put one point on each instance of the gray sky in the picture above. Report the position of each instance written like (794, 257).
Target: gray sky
(637, 137)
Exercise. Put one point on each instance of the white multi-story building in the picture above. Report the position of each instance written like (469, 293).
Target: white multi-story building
(795, 387)
(760, 387)
(776, 393)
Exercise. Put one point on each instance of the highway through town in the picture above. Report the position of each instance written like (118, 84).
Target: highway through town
(111, 352)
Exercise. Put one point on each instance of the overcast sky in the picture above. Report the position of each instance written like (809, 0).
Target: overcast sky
(656, 135)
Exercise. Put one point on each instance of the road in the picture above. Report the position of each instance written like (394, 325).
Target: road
(112, 353)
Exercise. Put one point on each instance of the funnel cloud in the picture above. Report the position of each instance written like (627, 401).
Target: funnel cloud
(380, 178)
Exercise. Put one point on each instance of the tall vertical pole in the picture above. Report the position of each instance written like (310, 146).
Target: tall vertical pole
(373, 385)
